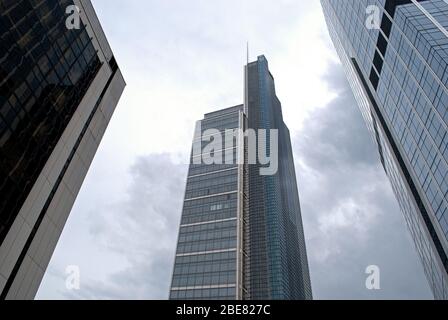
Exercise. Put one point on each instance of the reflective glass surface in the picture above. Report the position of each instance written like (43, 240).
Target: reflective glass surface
(45, 70)
(241, 234)
(401, 69)
(206, 257)
(276, 266)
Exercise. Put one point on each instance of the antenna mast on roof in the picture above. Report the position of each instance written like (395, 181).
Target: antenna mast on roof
(246, 82)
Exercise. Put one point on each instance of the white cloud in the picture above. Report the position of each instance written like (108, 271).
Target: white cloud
(180, 60)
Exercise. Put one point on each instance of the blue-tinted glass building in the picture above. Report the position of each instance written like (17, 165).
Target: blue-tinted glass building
(395, 55)
(241, 235)
(277, 265)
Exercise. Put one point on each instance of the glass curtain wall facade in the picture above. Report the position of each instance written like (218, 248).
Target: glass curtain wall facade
(241, 234)
(208, 257)
(58, 90)
(277, 265)
(398, 73)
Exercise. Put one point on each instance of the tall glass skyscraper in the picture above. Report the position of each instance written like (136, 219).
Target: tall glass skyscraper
(395, 54)
(59, 86)
(241, 233)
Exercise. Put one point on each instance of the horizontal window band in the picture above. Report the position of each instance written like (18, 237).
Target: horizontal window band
(212, 195)
(212, 172)
(207, 222)
(200, 253)
(218, 286)
(220, 151)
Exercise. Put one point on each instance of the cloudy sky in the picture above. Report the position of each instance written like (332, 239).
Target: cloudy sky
(182, 59)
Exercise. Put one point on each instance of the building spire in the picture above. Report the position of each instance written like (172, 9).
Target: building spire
(246, 82)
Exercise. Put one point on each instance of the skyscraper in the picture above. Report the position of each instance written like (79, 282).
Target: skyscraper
(395, 55)
(59, 86)
(241, 233)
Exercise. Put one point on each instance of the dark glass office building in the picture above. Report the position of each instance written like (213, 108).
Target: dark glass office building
(59, 87)
(241, 234)
(398, 72)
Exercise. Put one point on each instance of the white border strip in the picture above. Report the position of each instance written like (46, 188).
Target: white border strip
(207, 222)
(204, 252)
(430, 17)
(220, 286)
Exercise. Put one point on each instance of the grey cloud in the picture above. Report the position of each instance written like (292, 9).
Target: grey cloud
(350, 214)
(351, 217)
(142, 229)
(338, 136)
